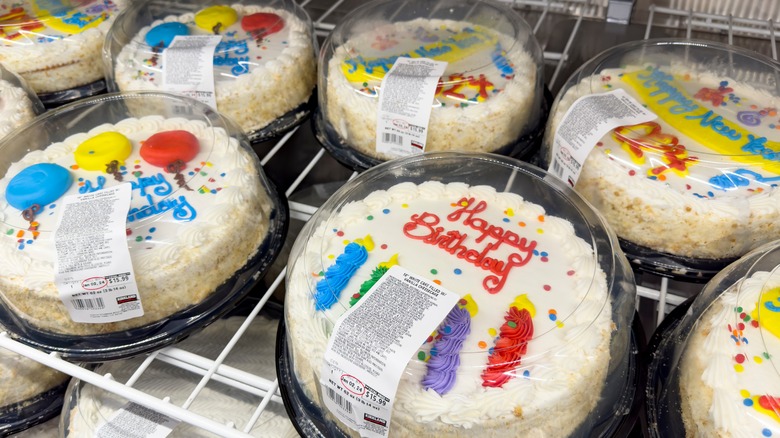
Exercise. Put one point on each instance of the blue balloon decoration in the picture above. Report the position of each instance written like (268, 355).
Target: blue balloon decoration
(39, 184)
(165, 33)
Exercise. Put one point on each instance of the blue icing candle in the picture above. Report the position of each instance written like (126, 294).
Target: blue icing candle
(39, 184)
(165, 33)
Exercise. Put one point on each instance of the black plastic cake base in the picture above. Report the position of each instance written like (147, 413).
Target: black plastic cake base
(524, 148)
(309, 420)
(39, 409)
(59, 98)
(673, 266)
(658, 371)
(174, 328)
(286, 122)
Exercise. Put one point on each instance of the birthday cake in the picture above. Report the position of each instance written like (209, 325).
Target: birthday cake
(488, 97)
(700, 180)
(198, 213)
(529, 337)
(16, 108)
(264, 67)
(55, 45)
(92, 407)
(729, 385)
(22, 380)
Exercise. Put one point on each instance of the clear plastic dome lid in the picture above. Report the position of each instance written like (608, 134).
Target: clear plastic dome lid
(697, 181)
(544, 293)
(18, 103)
(189, 173)
(263, 65)
(715, 371)
(56, 45)
(488, 99)
(30, 392)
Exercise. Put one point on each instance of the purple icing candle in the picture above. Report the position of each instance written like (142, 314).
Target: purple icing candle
(440, 375)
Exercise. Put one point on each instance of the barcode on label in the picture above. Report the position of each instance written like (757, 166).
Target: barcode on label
(181, 109)
(341, 401)
(395, 139)
(88, 304)
(557, 169)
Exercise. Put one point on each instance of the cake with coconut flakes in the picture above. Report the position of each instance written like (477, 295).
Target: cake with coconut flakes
(264, 66)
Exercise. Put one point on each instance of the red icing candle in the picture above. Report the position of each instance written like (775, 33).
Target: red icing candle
(165, 148)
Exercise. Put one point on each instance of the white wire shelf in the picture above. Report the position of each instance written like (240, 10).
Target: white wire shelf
(660, 294)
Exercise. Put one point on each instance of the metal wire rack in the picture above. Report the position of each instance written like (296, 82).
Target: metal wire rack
(308, 175)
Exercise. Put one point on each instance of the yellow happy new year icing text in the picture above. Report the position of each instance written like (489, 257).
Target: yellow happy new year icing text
(661, 93)
(458, 46)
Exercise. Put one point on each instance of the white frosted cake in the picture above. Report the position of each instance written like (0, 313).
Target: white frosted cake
(254, 354)
(22, 379)
(729, 384)
(700, 180)
(529, 339)
(198, 213)
(487, 97)
(264, 67)
(55, 45)
(16, 108)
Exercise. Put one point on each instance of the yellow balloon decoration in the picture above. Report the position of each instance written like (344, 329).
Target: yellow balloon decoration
(96, 152)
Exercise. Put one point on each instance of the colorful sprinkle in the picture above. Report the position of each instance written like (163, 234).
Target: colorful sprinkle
(541, 218)
(757, 359)
(511, 324)
(457, 271)
(740, 358)
(522, 224)
(386, 211)
(383, 246)
(570, 273)
(434, 271)
(370, 218)
(540, 231)
(421, 355)
(139, 238)
(748, 402)
(404, 205)
(546, 288)
(482, 344)
(492, 332)
(766, 432)
(739, 368)
(437, 282)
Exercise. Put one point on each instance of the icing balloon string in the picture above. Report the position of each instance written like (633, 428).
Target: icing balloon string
(217, 27)
(29, 213)
(176, 167)
(113, 168)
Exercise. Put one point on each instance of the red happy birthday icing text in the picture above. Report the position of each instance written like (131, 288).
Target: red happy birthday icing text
(424, 227)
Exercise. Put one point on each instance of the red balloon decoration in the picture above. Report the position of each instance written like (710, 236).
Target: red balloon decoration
(165, 148)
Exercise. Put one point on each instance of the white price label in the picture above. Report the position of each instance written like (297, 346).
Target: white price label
(188, 67)
(405, 101)
(583, 125)
(372, 343)
(136, 421)
(93, 270)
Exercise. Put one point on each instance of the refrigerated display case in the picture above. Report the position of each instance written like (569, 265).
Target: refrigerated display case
(570, 33)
